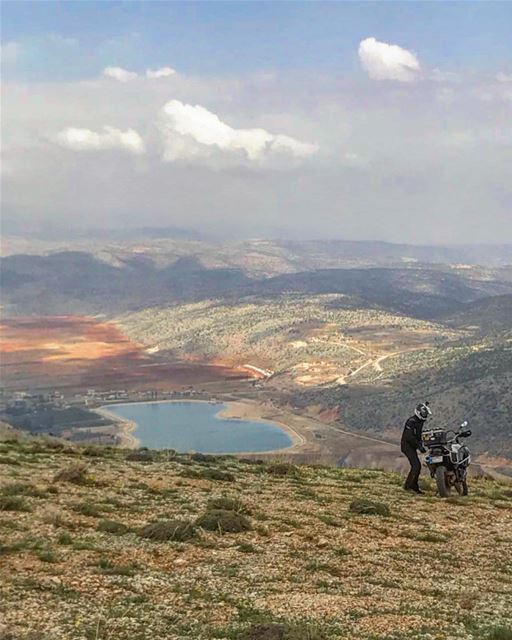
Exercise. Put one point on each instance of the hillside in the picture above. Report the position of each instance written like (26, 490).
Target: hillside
(366, 366)
(256, 551)
(490, 315)
(312, 338)
(110, 282)
(258, 257)
(465, 382)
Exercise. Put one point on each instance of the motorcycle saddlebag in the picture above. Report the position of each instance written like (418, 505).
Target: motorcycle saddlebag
(434, 436)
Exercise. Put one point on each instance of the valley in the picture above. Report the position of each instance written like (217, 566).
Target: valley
(338, 340)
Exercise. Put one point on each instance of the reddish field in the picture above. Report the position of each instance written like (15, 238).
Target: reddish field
(78, 352)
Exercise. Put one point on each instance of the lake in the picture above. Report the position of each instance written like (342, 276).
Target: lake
(196, 426)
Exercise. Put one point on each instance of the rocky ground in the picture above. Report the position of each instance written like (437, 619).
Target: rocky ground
(99, 544)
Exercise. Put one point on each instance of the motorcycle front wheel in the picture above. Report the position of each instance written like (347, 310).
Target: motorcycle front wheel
(442, 485)
(462, 488)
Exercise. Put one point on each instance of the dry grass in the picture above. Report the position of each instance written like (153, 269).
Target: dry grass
(142, 557)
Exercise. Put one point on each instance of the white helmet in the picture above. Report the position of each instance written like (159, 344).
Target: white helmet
(422, 411)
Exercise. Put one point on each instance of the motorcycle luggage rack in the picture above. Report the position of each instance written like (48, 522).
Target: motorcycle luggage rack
(435, 436)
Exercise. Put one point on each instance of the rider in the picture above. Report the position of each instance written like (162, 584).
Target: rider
(411, 442)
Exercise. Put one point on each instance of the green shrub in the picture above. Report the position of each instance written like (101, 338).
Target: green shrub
(217, 474)
(282, 469)
(223, 521)
(209, 474)
(499, 632)
(13, 503)
(228, 504)
(111, 526)
(65, 538)
(107, 567)
(369, 507)
(76, 474)
(164, 530)
(202, 457)
(93, 452)
(329, 520)
(274, 631)
(142, 455)
(47, 556)
(88, 509)
(21, 489)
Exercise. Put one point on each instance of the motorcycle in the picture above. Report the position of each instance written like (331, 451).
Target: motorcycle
(448, 458)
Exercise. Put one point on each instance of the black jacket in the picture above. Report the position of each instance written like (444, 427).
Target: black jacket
(411, 434)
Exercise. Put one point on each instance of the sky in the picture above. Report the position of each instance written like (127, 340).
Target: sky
(358, 120)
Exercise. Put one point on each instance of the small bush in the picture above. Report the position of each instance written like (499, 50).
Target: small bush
(65, 538)
(107, 567)
(499, 633)
(202, 457)
(369, 507)
(56, 518)
(13, 503)
(111, 526)
(47, 556)
(223, 521)
(21, 489)
(429, 536)
(273, 631)
(8, 460)
(164, 530)
(282, 469)
(93, 452)
(142, 455)
(76, 474)
(329, 520)
(217, 474)
(228, 504)
(88, 509)
(209, 474)
(264, 632)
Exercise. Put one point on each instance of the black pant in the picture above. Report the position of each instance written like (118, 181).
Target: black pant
(410, 451)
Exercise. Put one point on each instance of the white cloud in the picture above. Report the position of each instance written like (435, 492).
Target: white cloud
(61, 41)
(164, 72)
(503, 77)
(438, 75)
(388, 160)
(109, 138)
(193, 131)
(384, 61)
(117, 73)
(10, 52)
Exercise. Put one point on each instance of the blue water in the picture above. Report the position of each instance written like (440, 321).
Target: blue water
(195, 426)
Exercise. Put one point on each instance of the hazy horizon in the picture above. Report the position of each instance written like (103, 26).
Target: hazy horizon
(359, 121)
(77, 234)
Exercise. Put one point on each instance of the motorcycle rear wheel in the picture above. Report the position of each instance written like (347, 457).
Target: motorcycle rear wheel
(442, 485)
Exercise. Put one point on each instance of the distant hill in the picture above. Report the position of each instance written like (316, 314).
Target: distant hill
(421, 292)
(76, 282)
(258, 256)
(489, 314)
(317, 252)
(80, 282)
